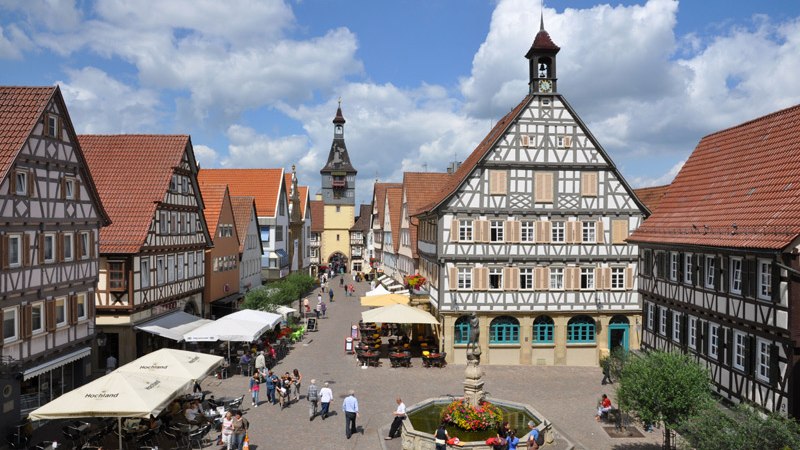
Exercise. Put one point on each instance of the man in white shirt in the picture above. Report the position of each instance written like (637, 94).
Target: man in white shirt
(261, 364)
(399, 415)
(325, 397)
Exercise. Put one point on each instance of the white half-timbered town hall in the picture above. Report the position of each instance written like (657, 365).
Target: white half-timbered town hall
(530, 233)
(720, 268)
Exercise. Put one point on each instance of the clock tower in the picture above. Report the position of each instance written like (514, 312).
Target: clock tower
(542, 63)
(339, 199)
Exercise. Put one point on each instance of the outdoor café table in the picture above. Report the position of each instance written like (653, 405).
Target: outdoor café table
(397, 359)
(371, 358)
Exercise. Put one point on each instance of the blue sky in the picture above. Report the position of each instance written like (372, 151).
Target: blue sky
(256, 82)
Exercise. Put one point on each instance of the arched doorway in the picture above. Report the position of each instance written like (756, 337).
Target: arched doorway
(618, 329)
(338, 262)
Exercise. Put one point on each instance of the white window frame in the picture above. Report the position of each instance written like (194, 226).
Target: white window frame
(82, 299)
(42, 313)
(589, 232)
(692, 337)
(662, 321)
(617, 278)
(15, 241)
(710, 265)
(464, 278)
(527, 231)
(497, 272)
(63, 302)
(713, 340)
(676, 326)
(68, 251)
(85, 245)
(170, 268)
(163, 223)
(674, 258)
(556, 278)
(762, 359)
(52, 126)
(558, 231)
(69, 188)
(739, 343)
(764, 279)
(51, 238)
(687, 268)
(735, 285)
(526, 278)
(21, 182)
(174, 182)
(651, 320)
(6, 313)
(587, 273)
(144, 272)
(497, 231)
(181, 260)
(161, 272)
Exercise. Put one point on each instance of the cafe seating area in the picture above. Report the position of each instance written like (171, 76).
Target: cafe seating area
(391, 342)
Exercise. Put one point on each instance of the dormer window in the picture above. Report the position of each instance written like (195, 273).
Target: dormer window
(51, 125)
(21, 182)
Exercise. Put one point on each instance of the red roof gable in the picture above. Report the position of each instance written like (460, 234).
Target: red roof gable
(739, 188)
(263, 184)
(394, 197)
(421, 188)
(362, 221)
(651, 196)
(317, 216)
(379, 197)
(20, 109)
(213, 199)
(132, 174)
(243, 207)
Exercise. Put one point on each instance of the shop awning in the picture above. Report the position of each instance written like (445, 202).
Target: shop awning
(56, 363)
(173, 325)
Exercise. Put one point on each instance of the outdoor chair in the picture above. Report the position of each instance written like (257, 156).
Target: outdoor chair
(196, 437)
(72, 435)
(237, 403)
(17, 441)
(43, 445)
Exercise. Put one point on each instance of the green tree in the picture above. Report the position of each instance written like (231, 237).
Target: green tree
(663, 387)
(281, 292)
(715, 427)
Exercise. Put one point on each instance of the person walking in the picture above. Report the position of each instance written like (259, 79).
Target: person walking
(255, 386)
(399, 416)
(313, 399)
(271, 380)
(325, 397)
(261, 364)
(606, 364)
(238, 430)
(533, 437)
(350, 408)
(318, 309)
(227, 430)
(341, 281)
(297, 379)
(319, 297)
(330, 294)
(323, 308)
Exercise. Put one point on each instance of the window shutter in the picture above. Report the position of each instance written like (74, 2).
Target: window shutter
(454, 230)
(701, 271)
(62, 185)
(508, 279)
(516, 235)
(50, 315)
(607, 278)
(76, 247)
(729, 347)
(776, 282)
(749, 354)
(514, 278)
(684, 323)
(578, 236)
(27, 321)
(569, 232)
(524, 140)
(645, 315)
(59, 246)
(669, 323)
(508, 231)
(26, 249)
(92, 251)
(702, 337)
(77, 190)
(31, 183)
(589, 184)
(40, 250)
(4, 253)
(629, 277)
(600, 232)
(598, 279)
(576, 278)
(12, 185)
(498, 182)
(721, 344)
(542, 275)
(719, 276)
(774, 365)
(543, 187)
(90, 305)
(73, 310)
(752, 276)
(59, 128)
(484, 226)
(543, 232)
(619, 231)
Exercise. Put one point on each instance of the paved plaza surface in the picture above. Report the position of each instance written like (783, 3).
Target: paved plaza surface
(566, 396)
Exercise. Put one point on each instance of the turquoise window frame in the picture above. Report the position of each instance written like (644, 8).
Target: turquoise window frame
(581, 330)
(543, 330)
(504, 330)
(462, 330)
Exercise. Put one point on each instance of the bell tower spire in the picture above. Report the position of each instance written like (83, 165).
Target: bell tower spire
(542, 62)
(338, 175)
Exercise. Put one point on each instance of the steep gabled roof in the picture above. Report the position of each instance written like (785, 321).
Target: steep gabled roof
(132, 173)
(262, 184)
(213, 199)
(739, 188)
(317, 216)
(394, 200)
(243, 207)
(379, 198)
(362, 222)
(421, 188)
(651, 196)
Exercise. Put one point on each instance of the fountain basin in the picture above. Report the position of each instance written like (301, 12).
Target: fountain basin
(424, 419)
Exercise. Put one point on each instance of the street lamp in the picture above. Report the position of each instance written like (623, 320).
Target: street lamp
(101, 339)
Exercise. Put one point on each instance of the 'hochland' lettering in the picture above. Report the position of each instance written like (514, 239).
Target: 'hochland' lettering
(102, 395)
(154, 366)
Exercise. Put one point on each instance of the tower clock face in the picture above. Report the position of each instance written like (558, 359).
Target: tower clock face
(545, 85)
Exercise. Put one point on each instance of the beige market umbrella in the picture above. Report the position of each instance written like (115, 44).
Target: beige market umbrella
(398, 314)
(384, 300)
(168, 362)
(118, 394)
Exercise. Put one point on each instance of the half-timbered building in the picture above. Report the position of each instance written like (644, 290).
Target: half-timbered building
(221, 295)
(50, 219)
(377, 219)
(390, 229)
(272, 204)
(152, 257)
(529, 233)
(245, 217)
(720, 275)
(358, 234)
(317, 211)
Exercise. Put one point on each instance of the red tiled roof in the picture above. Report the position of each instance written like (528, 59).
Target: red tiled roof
(379, 197)
(394, 196)
(263, 184)
(362, 222)
(466, 168)
(317, 216)
(242, 209)
(20, 108)
(421, 188)
(739, 188)
(213, 199)
(651, 196)
(132, 174)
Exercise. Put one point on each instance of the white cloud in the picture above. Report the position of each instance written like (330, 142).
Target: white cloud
(665, 178)
(13, 42)
(248, 148)
(100, 104)
(205, 155)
